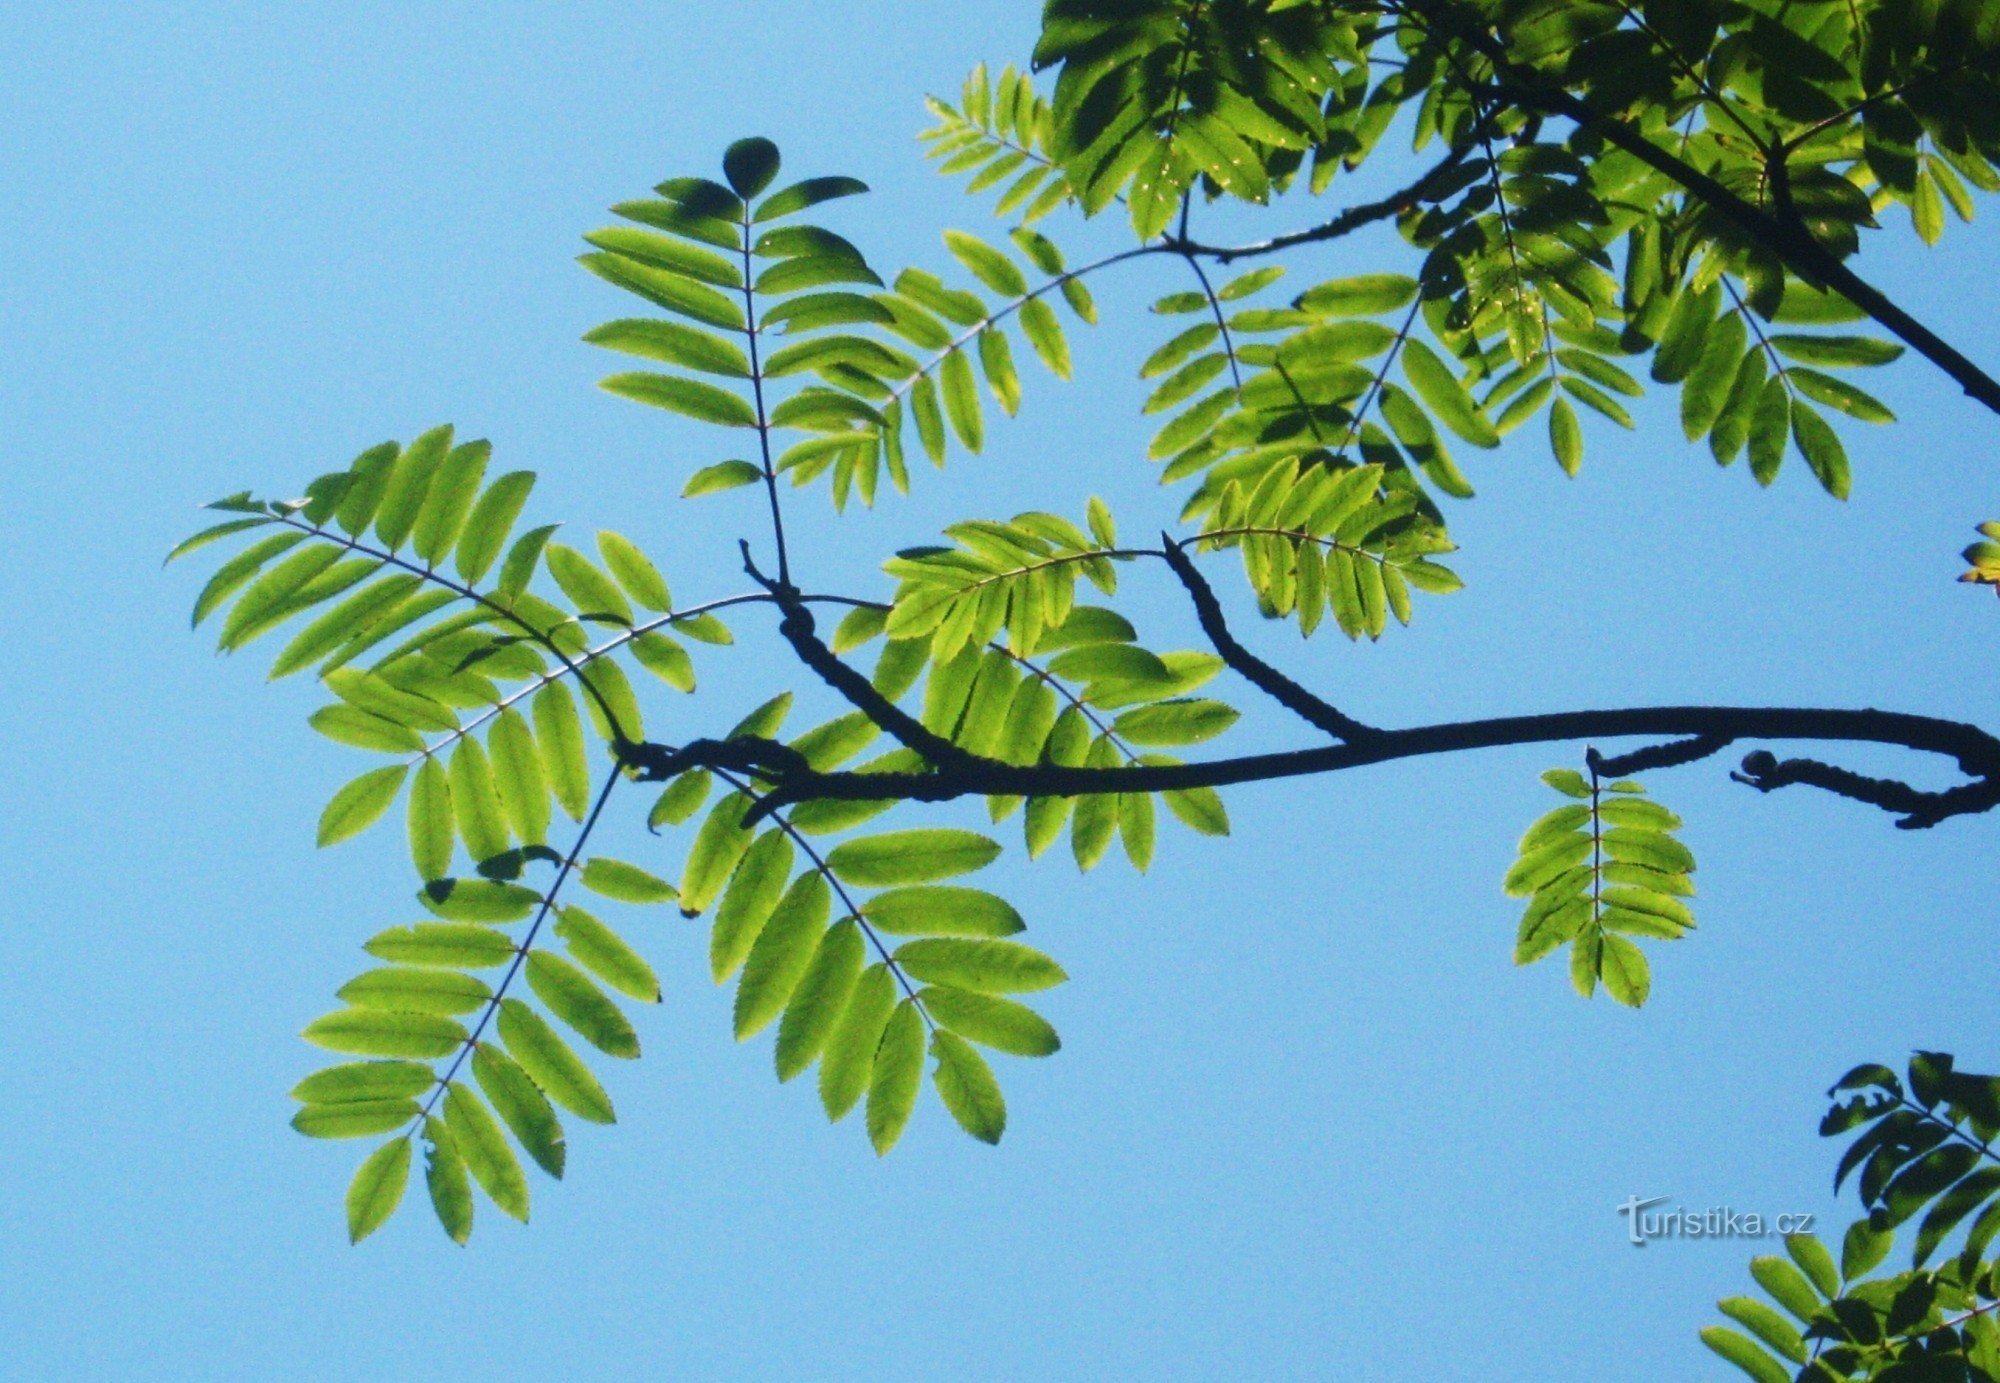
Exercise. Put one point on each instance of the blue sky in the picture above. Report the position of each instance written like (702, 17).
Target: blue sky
(1308, 1122)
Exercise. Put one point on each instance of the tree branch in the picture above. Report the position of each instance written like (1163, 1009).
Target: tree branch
(1657, 756)
(800, 632)
(1248, 665)
(1354, 218)
(1976, 752)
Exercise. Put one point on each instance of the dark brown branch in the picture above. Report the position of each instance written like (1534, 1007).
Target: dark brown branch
(1919, 810)
(1976, 752)
(800, 632)
(748, 754)
(1248, 665)
(1347, 222)
(1671, 755)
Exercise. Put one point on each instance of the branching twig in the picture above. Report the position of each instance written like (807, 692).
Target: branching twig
(1254, 670)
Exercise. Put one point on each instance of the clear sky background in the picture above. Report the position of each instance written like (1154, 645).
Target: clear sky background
(1309, 1121)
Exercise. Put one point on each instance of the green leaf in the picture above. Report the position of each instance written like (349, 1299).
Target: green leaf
(365, 1081)
(409, 481)
(1568, 782)
(819, 999)
(783, 949)
(626, 883)
(452, 491)
(849, 1055)
(634, 571)
(1155, 193)
(445, 1177)
(209, 535)
(966, 1085)
(374, 605)
(1366, 295)
(1821, 447)
(810, 192)
(1624, 971)
(377, 1189)
(724, 475)
(1770, 426)
(897, 1076)
(517, 777)
(401, 990)
(450, 944)
(484, 1148)
(1177, 722)
(1538, 867)
(572, 997)
(673, 255)
(1001, 1024)
(1835, 351)
(1744, 1353)
(678, 394)
(368, 477)
(354, 1118)
(380, 697)
(559, 735)
(1770, 1327)
(491, 520)
(1136, 828)
(996, 358)
(817, 311)
(1439, 388)
(680, 799)
(231, 575)
(1811, 1256)
(990, 266)
(275, 594)
(431, 820)
(754, 892)
(475, 803)
(941, 910)
(911, 857)
(983, 965)
(1863, 1249)
(522, 1106)
(718, 846)
(604, 954)
(592, 592)
(1199, 809)
(655, 338)
(1565, 436)
(665, 659)
(550, 1062)
(961, 399)
(492, 901)
(361, 803)
(1786, 1284)
(522, 560)
(1838, 394)
(667, 289)
(1952, 1207)
(1045, 335)
(372, 1032)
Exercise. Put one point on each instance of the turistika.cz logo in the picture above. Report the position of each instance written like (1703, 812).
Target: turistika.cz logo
(1644, 1224)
